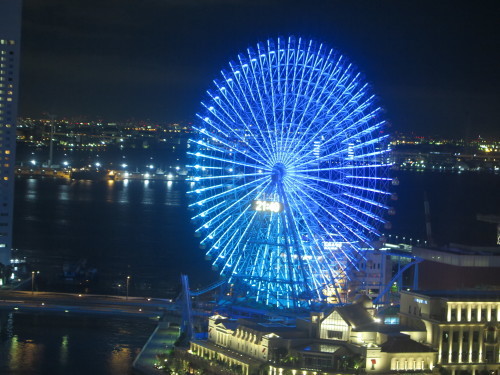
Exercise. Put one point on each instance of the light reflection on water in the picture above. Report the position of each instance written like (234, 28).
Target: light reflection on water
(138, 228)
(45, 344)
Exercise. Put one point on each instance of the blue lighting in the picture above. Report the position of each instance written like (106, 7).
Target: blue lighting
(290, 122)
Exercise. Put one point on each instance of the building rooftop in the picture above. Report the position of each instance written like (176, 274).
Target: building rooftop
(318, 347)
(355, 315)
(403, 344)
(461, 295)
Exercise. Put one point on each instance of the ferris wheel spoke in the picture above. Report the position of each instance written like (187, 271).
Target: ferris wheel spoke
(230, 147)
(333, 182)
(240, 175)
(227, 192)
(302, 64)
(303, 110)
(251, 111)
(319, 269)
(366, 132)
(356, 234)
(306, 133)
(348, 205)
(207, 211)
(333, 93)
(202, 190)
(212, 124)
(373, 141)
(255, 61)
(332, 139)
(370, 178)
(321, 206)
(362, 224)
(225, 93)
(212, 233)
(228, 161)
(362, 166)
(375, 153)
(232, 252)
(255, 264)
(366, 200)
(268, 57)
(297, 238)
(230, 208)
(221, 236)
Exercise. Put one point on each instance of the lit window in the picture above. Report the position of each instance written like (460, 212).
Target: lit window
(7, 152)
(5, 178)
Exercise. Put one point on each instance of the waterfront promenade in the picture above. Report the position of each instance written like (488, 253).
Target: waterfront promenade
(160, 341)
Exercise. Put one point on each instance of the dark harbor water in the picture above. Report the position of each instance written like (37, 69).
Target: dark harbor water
(142, 229)
(455, 200)
(125, 228)
(78, 345)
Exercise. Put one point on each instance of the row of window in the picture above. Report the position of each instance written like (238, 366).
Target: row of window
(476, 314)
(489, 335)
(466, 357)
(413, 365)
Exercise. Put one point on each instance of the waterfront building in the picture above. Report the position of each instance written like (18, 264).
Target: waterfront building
(341, 340)
(372, 273)
(10, 32)
(461, 325)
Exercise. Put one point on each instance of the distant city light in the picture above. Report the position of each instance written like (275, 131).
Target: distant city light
(124, 165)
(97, 164)
(33, 162)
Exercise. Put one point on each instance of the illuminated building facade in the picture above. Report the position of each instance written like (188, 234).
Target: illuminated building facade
(323, 343)
(10, 32)
(461, 325)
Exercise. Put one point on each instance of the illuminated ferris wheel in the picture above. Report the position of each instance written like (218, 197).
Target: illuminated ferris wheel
(289, 172)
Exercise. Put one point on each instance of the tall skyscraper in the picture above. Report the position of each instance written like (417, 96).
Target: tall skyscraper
(10, 36)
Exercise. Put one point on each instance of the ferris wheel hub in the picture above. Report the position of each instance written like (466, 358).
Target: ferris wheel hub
(278, 172)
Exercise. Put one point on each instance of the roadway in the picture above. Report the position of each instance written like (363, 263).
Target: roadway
(66, 303)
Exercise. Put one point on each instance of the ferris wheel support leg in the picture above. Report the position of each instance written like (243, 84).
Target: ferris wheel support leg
(187, 311)
(288, 227)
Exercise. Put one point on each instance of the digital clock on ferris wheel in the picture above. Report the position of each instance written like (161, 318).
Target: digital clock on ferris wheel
(267, 206)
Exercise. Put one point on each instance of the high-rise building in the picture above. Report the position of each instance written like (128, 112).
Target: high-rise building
(10, 34)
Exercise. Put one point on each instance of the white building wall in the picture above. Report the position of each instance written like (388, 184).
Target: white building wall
(334, 327)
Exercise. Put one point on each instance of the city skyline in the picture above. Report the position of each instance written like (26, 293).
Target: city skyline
(433, 66)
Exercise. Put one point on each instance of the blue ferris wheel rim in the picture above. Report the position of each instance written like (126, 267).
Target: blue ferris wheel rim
(290, 171)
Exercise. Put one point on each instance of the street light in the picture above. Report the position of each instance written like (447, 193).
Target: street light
(128, 281)
(33, 281)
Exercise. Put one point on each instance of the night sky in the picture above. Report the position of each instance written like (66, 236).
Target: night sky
(434, 64)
